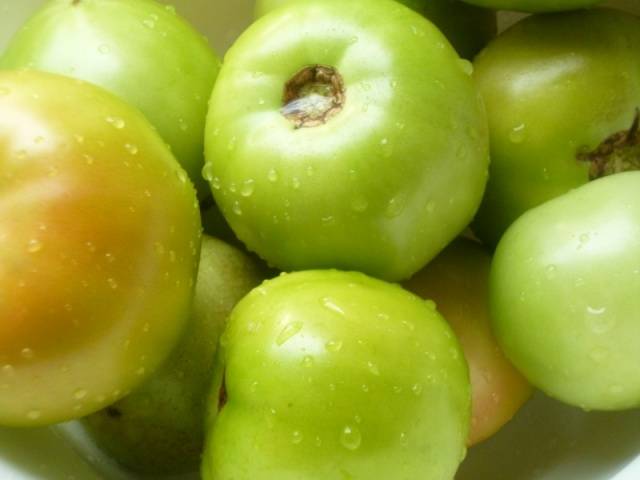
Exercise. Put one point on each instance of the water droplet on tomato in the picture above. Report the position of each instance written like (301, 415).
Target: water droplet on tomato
(350, 437)
(289, 331)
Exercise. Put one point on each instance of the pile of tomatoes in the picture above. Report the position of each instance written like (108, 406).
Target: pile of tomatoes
(418, 221)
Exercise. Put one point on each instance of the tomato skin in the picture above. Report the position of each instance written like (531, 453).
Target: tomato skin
(554, 86)
(369, 189)
(331, 375)
(136, 50)
(457, 281)
(564, 294)
(468, 28)
(159, 428)
(534, 6)
(99, 229)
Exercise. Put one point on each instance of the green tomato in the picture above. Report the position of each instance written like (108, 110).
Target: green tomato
(344, 137)
(159, 428)
(564, 294)
(560, 90)
(468, 28)
(139, 50)
(534, 6)
(98, 248)
(331, 375)
(457, 280)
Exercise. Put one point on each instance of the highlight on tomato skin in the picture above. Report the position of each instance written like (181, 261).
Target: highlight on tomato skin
(141, 51)
(457, 281)
(586, 65)
(99, 241)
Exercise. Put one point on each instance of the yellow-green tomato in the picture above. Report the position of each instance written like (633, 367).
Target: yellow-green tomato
(457, 280)
(468, 28)
(159, 428)
(335, 139)
(562, 92)
(99, 238)
(138, 49)
(533, 6)
(564, 294)
(327, 375)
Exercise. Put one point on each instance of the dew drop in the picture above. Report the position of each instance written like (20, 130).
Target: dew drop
(350, 437)
(149, 23)
(295, 183)
(331, 305)
(7, 370)
(466, 66)
(550, 271)
(104, 49)
(34, 414)
(216, 184)
(112, 283)
(131, 148)
(431, 305)
(247, 188)
(117, 122)
(27, 353)
(431, 206)
(182, 175)
(395, 206)
(34, 245)
(517, 133)
(307, 361)
(80, 394)
(359, 204)
(334, 345)
(328, 221)
(373, 368)
(296, 437)
(272, 175)
(207, 172)
(416, 388)
(288, 332)
(584, 239)
(596, 310)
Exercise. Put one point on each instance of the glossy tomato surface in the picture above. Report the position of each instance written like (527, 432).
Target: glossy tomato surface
(99, 235)
(333, 139)
(330, 375)
(559, 89)
(564, 294)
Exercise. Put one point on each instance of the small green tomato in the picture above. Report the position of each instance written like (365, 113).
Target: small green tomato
(327, 375)
(564, 294)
